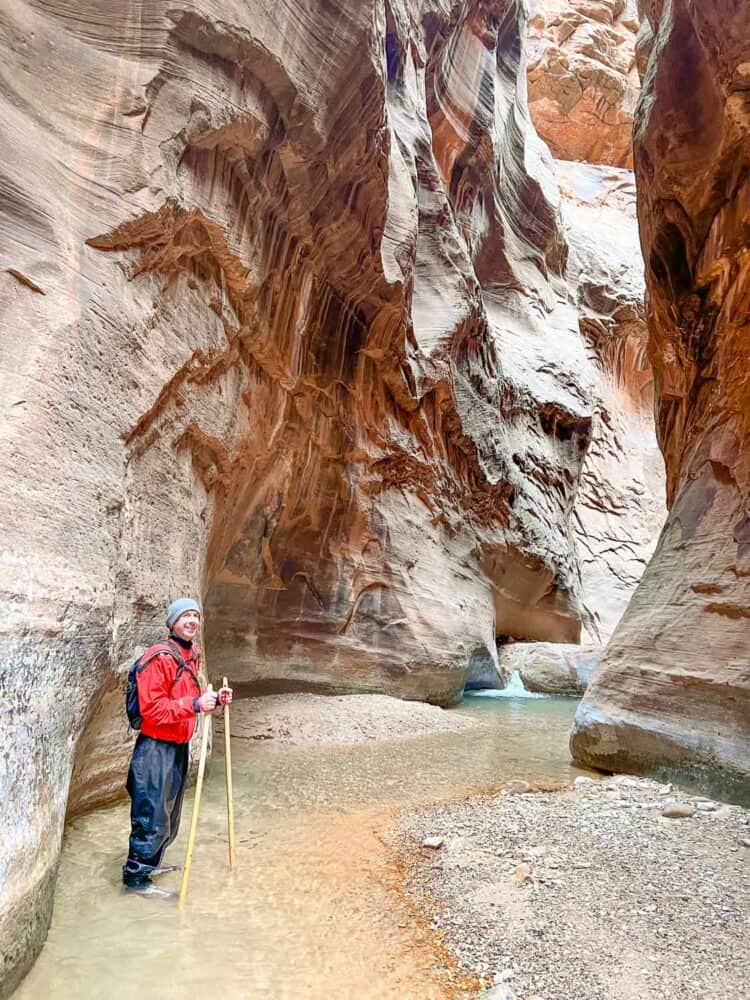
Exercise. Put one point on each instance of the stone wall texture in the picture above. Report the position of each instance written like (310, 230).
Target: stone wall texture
(583, 78)
(619, 506)
(674, 685)
(296, 319)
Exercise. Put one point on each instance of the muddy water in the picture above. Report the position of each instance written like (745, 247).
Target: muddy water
(312, 910)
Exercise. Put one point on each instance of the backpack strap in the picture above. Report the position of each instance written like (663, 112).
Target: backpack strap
(144, 661)
(168, 648)
(181, 665)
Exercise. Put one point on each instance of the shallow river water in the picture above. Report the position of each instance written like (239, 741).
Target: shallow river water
(313, 908)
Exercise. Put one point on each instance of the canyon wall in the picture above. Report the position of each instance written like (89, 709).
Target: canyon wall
(619, 506)
(583, 78)
(582, 86)
(674, 686)
(295, 319)
(278, 288)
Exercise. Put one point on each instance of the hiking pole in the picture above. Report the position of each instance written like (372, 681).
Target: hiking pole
(196, 807)
(230, 798)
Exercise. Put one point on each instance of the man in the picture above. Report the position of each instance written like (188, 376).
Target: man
(169, 700)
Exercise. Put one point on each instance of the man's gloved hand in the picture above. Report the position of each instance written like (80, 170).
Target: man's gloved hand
(207, 701)
(225, 696)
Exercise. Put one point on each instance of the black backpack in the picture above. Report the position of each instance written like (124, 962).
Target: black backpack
(132, 707)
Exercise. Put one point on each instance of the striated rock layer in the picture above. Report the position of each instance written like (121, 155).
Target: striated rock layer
(674, 685)
(619, 507)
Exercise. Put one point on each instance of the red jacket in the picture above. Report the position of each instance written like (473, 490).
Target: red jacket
(166, 700)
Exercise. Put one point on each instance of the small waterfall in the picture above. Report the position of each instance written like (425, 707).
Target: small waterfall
(513, 689)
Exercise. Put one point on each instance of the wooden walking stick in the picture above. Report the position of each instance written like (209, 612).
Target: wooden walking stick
(196, 807)
(230, 798)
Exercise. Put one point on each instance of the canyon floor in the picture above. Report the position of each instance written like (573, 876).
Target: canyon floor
(585, 892)
(619, 889)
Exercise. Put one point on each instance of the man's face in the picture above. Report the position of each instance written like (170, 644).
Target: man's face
(187, 625)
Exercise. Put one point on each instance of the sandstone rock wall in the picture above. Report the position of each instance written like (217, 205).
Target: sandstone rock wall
(582, 85)
(280, 286)
(674, 686)
(619, 508)
(583, 78)
(549, 667)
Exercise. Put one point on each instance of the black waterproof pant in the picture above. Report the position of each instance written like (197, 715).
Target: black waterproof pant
(156, 783)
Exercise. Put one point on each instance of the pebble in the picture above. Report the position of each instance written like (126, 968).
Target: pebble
(517, 787)
(522, 874)
(457, 844)
(706, 806)
(434, 842)
(581, 781)
(628, 781)
(501, 992)
(678, 810)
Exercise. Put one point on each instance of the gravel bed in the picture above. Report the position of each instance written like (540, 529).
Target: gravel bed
(353, 718)
(589, 893)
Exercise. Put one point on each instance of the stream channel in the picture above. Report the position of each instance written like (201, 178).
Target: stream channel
(313, 908)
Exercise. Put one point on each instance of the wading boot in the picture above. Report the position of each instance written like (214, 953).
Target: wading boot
(147, 888)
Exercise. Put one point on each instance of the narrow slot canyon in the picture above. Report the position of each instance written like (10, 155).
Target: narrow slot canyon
(410, 339)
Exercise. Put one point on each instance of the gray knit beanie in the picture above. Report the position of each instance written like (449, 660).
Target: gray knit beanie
(179, 607)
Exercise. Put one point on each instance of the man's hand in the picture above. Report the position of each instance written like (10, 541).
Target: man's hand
(207, 701)
(225, 696)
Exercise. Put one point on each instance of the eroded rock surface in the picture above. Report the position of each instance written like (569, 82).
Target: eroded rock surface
(674, 685)
(278, 287)
(290, 323)
(582, 78)
(583, 85)
(619, 507)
